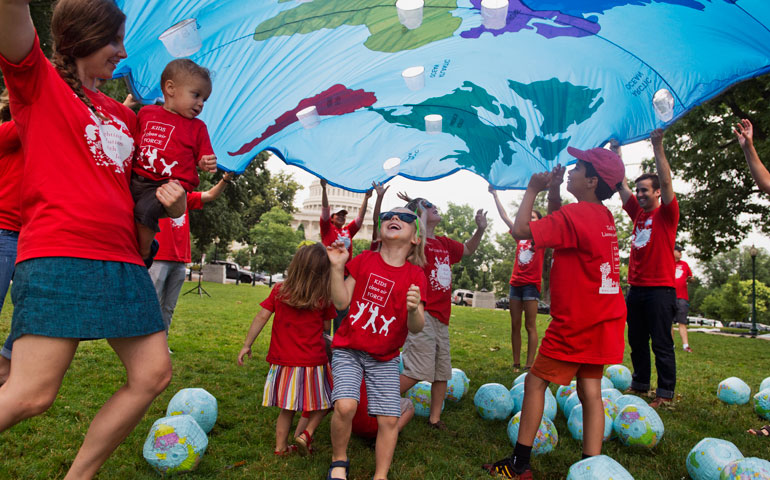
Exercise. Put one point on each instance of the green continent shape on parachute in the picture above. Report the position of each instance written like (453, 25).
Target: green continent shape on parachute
(485, 142)
(387, 34)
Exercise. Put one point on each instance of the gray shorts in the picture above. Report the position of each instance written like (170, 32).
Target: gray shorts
(682, 308)
(383, 388)
(426, 354)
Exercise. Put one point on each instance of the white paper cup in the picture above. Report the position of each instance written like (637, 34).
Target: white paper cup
(663, 104)
(309, 117)
(433, 123)
(410, 13)
(182, 39)
(414, 77)
(494, 13)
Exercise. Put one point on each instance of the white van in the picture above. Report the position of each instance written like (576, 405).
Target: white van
(462, 297)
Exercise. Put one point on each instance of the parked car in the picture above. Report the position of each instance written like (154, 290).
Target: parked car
(235, 271)
(747, 325)
(708, 322)
(462, 297)
(503, 302)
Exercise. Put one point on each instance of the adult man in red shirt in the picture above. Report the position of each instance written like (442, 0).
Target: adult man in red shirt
(333, 228)
(651, 299)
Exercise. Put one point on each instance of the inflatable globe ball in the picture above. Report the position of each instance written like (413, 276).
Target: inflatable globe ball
(765, 384)
(733, 391)
(562, 394)
(638, 426)
(546, 437)
(517, 397)
(762, 403)
(493, 401)
(619, 375)
(520, 379)
(575, 424)
(709, 457)
(196, 402)
(751, 468)
(607, 383)
(570, 403)
(175, 444)
(549, 409)
(457, 385)
(624, 400)
(611, 393)
(419, 394)
(600, 467)
(610, 407)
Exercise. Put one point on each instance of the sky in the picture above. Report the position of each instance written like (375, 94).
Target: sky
(465, 187)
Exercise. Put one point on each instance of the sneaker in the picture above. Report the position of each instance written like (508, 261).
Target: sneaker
(687, 349)
(504, 469)
(659, 401)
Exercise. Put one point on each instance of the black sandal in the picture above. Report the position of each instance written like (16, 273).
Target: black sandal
(761, 432)
(338, 463)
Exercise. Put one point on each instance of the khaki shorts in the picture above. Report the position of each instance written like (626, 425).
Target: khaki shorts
(426, 354)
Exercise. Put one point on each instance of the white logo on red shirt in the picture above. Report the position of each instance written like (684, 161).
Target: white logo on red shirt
(373, 311)
(525, 254)
(109, 142)
(378, 289)
(178, 222)
(608, 286)
(441, 275)
(679, 271)
(641, 236)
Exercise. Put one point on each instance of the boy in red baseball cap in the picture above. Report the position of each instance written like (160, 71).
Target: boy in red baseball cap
(587, 305)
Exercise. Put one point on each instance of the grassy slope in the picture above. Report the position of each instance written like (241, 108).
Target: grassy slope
(208, 332)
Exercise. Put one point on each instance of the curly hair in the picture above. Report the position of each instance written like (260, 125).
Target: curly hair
(79, 28)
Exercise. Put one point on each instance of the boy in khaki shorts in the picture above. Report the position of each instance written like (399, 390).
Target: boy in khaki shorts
(587, 306)
(426, 354)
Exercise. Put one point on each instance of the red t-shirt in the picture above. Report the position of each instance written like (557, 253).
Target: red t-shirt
(440, 254)
(528, 268)
(75, 201)
(364, 425)
(376, 323)
(170, 146)
(652, 244)
(11, 170)
(174, 235)
(587, 305)
(682, 273)
(330, 233)
(297, 336)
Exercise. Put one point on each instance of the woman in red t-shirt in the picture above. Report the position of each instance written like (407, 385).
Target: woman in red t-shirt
(525, 289)
(78, 238)
(299, 378)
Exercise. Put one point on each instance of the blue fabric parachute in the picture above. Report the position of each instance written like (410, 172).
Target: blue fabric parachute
(557, 73)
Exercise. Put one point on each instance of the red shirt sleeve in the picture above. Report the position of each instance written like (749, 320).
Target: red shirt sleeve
(353, 228)
(632, 207)
(202, 142)
(669, 213)
(194, 201)
(269, 303)
(456, 249)
(25, 79)
(554, 230)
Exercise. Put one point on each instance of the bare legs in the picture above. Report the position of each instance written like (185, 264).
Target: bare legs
(532, 409)
(38, 367)
(387, 437)
(682, 333)
(529, 309)
(341, 426)
(589, 391)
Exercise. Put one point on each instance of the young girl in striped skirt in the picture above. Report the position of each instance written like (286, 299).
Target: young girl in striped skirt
(299, 378)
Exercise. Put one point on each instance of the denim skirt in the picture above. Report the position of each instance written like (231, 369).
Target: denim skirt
(66, 297)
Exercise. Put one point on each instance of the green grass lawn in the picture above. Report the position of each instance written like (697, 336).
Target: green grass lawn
(207, 334)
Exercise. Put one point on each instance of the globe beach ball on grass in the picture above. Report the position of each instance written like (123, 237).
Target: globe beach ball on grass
(611, 393)
(549, 401)
(493, 401)
(607, 383)
(546, 437)
(733, 391)
(575, 424)
(563, 393)
(419, 394)
(751, 468)
(624, 400)
(619, 375)
(517, 397)
(762, 403)
(709, 457)
(196, 402)
(457, 385)
(765, 384)
(175, 444)
(610, 407)
(638, 426)
(520, 379)
(570, 403)
(600, 467)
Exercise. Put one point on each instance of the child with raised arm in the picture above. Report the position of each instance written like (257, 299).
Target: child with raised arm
(383, 293)
(586, 301)
(299, 378)
(525, 289)
(745, 133)
(171, 142)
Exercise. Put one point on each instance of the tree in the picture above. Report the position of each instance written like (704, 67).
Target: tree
(723, 204)
(274, 242)
(736, 261)
(732, 301)
(360, 244)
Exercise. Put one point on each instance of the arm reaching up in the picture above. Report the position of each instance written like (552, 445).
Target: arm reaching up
(18, 32)
(537, 183)
(500, 209)
(662, 167)
(745, 133)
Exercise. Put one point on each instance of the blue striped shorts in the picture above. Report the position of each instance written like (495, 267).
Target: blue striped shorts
(383, 391)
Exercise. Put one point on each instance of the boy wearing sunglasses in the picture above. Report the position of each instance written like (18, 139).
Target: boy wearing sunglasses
(587, 305)
(426, 354)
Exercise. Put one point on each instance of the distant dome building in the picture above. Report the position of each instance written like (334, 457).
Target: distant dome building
(310, 214)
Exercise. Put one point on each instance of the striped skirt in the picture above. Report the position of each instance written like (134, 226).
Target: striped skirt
(298, 388)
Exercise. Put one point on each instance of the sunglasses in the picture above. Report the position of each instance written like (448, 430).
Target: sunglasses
(427, 204)
(405, 217)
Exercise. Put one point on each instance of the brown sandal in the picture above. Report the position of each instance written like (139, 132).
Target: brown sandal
(761, 432)
(304, 442)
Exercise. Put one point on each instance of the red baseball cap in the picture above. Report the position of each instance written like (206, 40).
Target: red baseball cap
(607, 164)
